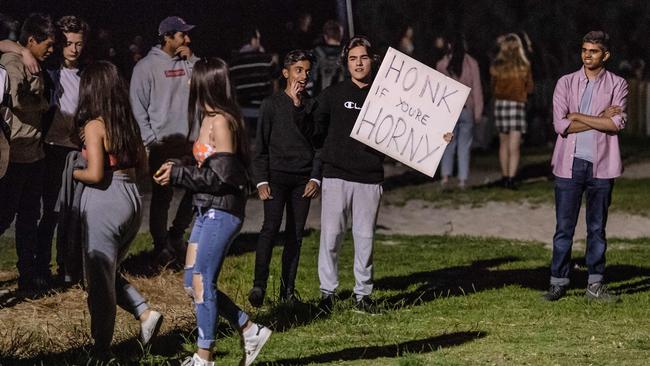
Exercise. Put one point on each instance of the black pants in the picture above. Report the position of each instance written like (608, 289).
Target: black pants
(161, 196)
(287, 191)
(55, 158)
(20, 198)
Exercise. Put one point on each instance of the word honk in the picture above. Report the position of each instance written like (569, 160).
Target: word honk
(410, 78)
(409, 109)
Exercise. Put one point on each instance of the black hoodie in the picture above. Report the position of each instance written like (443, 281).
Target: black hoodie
(342, 156)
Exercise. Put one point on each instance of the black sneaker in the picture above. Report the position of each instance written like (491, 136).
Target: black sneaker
(256, 296)
(366, 305)
(289, 298)
(599, 292)
(326, 303)
(555, 293)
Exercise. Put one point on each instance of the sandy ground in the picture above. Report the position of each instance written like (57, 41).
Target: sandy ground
(506, 220)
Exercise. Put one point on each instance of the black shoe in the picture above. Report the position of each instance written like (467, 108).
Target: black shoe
(599, 292)
(555, 293)
(256, 296)
(365, 304)
(326, 303)
(289, 297)
(509, 183)
(177, 245)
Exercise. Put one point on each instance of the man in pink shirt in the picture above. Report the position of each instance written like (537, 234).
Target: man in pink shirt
(588, 112)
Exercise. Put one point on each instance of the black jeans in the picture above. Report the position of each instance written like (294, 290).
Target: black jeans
(161, 196)
(55, 158)
(287, 191)
(20, 198)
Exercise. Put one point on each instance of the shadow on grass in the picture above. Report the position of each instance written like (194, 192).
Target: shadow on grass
(389, 351)
(143, 264)
(283, 317)
(478, 276)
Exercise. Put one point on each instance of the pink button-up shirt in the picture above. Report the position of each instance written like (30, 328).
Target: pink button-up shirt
(609, 90)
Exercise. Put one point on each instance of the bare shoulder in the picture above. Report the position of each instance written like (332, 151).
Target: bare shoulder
(219, 121)
(95, 126)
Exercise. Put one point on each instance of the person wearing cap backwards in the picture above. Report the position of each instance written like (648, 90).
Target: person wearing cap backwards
(159, 92)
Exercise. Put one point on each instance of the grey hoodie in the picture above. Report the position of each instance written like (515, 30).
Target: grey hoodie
(160, 89)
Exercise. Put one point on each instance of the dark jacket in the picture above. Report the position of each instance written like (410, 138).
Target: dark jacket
(53, 91)
(284, 139)
(252, 73)
(221, 182)
(344, 157)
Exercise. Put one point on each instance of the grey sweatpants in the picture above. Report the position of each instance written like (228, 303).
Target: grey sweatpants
(110, 216)
(341, 199)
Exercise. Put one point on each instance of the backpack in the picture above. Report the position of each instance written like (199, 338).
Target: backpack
(328, 69)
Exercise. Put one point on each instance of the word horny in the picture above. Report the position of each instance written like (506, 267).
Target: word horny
(409, 109)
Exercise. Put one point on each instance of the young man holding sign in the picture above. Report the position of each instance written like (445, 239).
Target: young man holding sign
(352, 177)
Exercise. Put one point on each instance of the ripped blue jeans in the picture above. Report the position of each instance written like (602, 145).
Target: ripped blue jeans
(213, 232)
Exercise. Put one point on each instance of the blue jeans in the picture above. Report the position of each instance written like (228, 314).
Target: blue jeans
(462, 142)
(568, 198)
(213, 231)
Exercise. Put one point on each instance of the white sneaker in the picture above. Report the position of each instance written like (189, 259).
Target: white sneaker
(150, 327)
(253, 343)
(196, 361)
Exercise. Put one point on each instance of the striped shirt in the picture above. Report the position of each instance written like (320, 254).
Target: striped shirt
(252, 74)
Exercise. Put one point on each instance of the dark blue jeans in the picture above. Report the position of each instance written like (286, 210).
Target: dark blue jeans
(568, 198)
(213, 232)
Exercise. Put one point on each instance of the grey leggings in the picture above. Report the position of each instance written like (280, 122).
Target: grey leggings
(111, 216)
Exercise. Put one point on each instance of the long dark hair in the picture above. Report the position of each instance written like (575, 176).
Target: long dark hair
(103, 94)
(210, 86)
(457, 51)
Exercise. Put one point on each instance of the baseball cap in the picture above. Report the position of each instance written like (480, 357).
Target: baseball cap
(171, 24)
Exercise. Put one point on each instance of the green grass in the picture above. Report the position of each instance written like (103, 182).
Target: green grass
(444, 301)
(629, 195)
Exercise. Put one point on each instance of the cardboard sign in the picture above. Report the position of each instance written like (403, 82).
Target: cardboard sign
(408, 110)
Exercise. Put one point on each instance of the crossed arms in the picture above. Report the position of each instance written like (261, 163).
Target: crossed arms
(610, 120)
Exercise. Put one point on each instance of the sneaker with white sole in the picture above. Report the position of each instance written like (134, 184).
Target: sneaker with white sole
(150, 327)
(195, 360)
(254, 342)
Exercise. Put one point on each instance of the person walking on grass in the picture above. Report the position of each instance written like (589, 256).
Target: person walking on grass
(219, 183)
(589, 110)
(111, 205)
(286, 173)
(512, 81)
